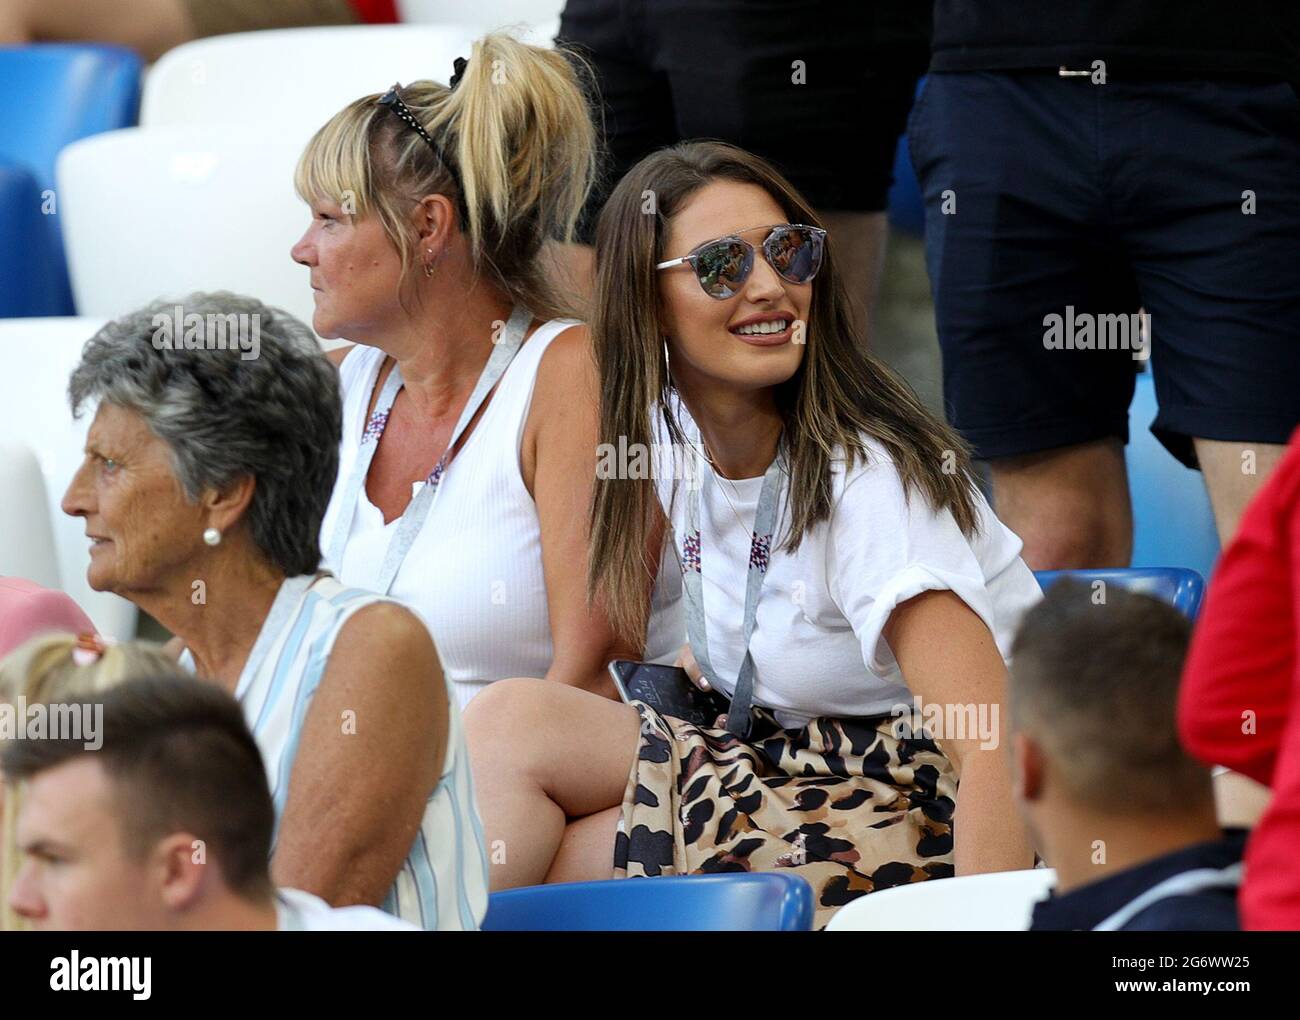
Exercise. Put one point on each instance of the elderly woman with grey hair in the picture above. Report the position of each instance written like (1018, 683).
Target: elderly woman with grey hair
(208, 468)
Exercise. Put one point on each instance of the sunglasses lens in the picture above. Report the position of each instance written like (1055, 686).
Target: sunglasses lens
(723, 267)
(795, 252)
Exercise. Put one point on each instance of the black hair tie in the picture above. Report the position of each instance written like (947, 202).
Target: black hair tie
(458, 71)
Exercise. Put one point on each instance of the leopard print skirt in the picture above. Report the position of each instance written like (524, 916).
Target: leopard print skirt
(844, 803)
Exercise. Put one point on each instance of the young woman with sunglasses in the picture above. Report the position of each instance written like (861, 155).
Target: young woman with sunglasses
(837, 563)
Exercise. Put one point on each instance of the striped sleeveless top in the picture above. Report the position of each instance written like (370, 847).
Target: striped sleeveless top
(443, 883)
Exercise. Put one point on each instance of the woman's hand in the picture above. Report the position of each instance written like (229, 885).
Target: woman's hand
(686, 660)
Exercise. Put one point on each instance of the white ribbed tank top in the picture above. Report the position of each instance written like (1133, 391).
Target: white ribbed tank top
(474, 572)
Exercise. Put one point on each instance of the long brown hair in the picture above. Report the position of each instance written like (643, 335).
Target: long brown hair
(839, 394)
(519, 133)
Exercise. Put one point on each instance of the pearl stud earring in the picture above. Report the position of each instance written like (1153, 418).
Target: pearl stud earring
(212, 536)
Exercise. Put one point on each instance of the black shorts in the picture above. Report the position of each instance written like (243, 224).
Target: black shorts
(1054, 202)
(670, 70)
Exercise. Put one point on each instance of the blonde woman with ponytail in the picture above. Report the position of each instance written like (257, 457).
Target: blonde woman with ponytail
(60, 667)
(469, 435)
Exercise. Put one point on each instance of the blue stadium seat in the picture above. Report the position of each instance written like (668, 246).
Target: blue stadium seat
(1180, 587)
(55, 93)
(732, 902)
(905, 204)
(28, 249)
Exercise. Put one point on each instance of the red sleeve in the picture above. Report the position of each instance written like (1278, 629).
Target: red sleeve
(1239, 682)
(376, 12)
(1270, 895)
(1243, 659)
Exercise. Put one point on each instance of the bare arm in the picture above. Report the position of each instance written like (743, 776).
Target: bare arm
(948, 656)
(371, 753)
(559, 467)
(151, 27)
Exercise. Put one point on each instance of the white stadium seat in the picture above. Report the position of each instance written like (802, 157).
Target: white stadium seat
(160, 212)
(296, 78)
(543, 16)
(1002, 901)
(39, 355)
(26, 534)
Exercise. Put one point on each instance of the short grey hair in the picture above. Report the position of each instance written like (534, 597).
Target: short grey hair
(276, 416)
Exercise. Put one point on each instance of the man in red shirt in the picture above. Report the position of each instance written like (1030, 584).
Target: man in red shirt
(152, 27)
(1239, 704)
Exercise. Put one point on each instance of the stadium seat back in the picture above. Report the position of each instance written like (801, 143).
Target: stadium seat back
(296, 78)
(161, 212)
(484, 15)
(39, 355)
(729, 902)
(26, 534)
(1180, 587)
(33, 279)
(54, 94)
(1001, 901)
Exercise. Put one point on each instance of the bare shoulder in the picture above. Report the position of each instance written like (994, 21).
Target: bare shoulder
(568, 367)
(388, 636)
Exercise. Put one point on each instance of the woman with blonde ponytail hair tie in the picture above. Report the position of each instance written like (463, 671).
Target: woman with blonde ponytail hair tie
(469, 433)
(59, 667)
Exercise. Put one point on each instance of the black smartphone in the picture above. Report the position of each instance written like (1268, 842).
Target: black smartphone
(668, 690)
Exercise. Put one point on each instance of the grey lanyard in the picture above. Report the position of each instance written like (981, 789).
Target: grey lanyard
(417, 510)
(760, 550)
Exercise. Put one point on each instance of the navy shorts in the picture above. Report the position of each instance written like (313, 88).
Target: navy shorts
(1055, 205)
(670, 70)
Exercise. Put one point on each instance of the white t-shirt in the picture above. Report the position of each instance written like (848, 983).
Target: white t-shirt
(296, 910)
(817, 645)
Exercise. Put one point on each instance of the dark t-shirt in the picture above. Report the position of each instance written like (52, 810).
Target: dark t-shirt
(1195, 889)
(1205, 38)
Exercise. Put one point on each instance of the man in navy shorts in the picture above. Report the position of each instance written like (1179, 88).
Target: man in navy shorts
(821, 88)
(1081, 163)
